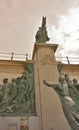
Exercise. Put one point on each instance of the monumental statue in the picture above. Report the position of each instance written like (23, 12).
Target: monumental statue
(63, 92)
(18, 96)
(68, 92)
(41, 35)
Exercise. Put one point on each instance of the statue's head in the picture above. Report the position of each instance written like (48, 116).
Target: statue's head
(74, 81)
(61, 78)
(13, 80)
(67, 77)
(5, 80)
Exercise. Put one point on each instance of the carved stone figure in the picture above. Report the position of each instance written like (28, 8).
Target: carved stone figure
(59, 67)
(71, 87)
(18, 96)
(63, 90)
(5, 88)
(9, 95)
(41, 35)
(76, 84)
(68, 97)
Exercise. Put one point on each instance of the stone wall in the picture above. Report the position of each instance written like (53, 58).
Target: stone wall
(72, 70)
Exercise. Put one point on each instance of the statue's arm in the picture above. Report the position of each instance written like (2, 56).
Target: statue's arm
(49, 83)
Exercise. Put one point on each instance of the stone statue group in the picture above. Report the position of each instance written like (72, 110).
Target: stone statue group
(18, 95)
(68, 89)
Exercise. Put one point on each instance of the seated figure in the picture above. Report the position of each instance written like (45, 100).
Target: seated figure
(41, 35)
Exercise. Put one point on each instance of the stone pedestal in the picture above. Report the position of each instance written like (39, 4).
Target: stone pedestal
(49, 110)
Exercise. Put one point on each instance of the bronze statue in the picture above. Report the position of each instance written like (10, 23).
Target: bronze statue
(41, 35)
(76, 84)
(62, 86)
(18, 96)
(68, 94)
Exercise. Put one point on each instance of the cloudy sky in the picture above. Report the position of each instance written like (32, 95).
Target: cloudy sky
(20, 19)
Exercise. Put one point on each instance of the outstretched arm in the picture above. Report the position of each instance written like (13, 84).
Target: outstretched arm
(49, 83)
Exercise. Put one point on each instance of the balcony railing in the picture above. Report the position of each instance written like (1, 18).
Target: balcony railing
(68, 60)
(14, 56)
(24, 57)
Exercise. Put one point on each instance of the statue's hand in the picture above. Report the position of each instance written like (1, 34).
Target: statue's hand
(48, 83)
(44, 81)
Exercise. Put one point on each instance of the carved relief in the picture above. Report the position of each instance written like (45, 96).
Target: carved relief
(18, 96)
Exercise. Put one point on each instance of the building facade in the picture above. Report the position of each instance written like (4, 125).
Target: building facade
(49, 112)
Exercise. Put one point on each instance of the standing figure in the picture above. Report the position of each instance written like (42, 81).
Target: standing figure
(63, 89)
(72, 89)
(76, 84)
(5, 89)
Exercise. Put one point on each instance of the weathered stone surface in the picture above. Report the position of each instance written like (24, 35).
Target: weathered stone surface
(49, 106)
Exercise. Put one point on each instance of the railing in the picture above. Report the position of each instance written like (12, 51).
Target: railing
(14, 56)
(24, 57)
(68, 60)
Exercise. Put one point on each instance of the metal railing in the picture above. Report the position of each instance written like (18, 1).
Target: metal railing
(24, 57)
(68, 60)
(14, 56)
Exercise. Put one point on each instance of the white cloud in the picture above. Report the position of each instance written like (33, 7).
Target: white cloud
(20, 20)
(67, 32)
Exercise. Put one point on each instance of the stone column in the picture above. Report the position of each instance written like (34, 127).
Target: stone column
(49, 110)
